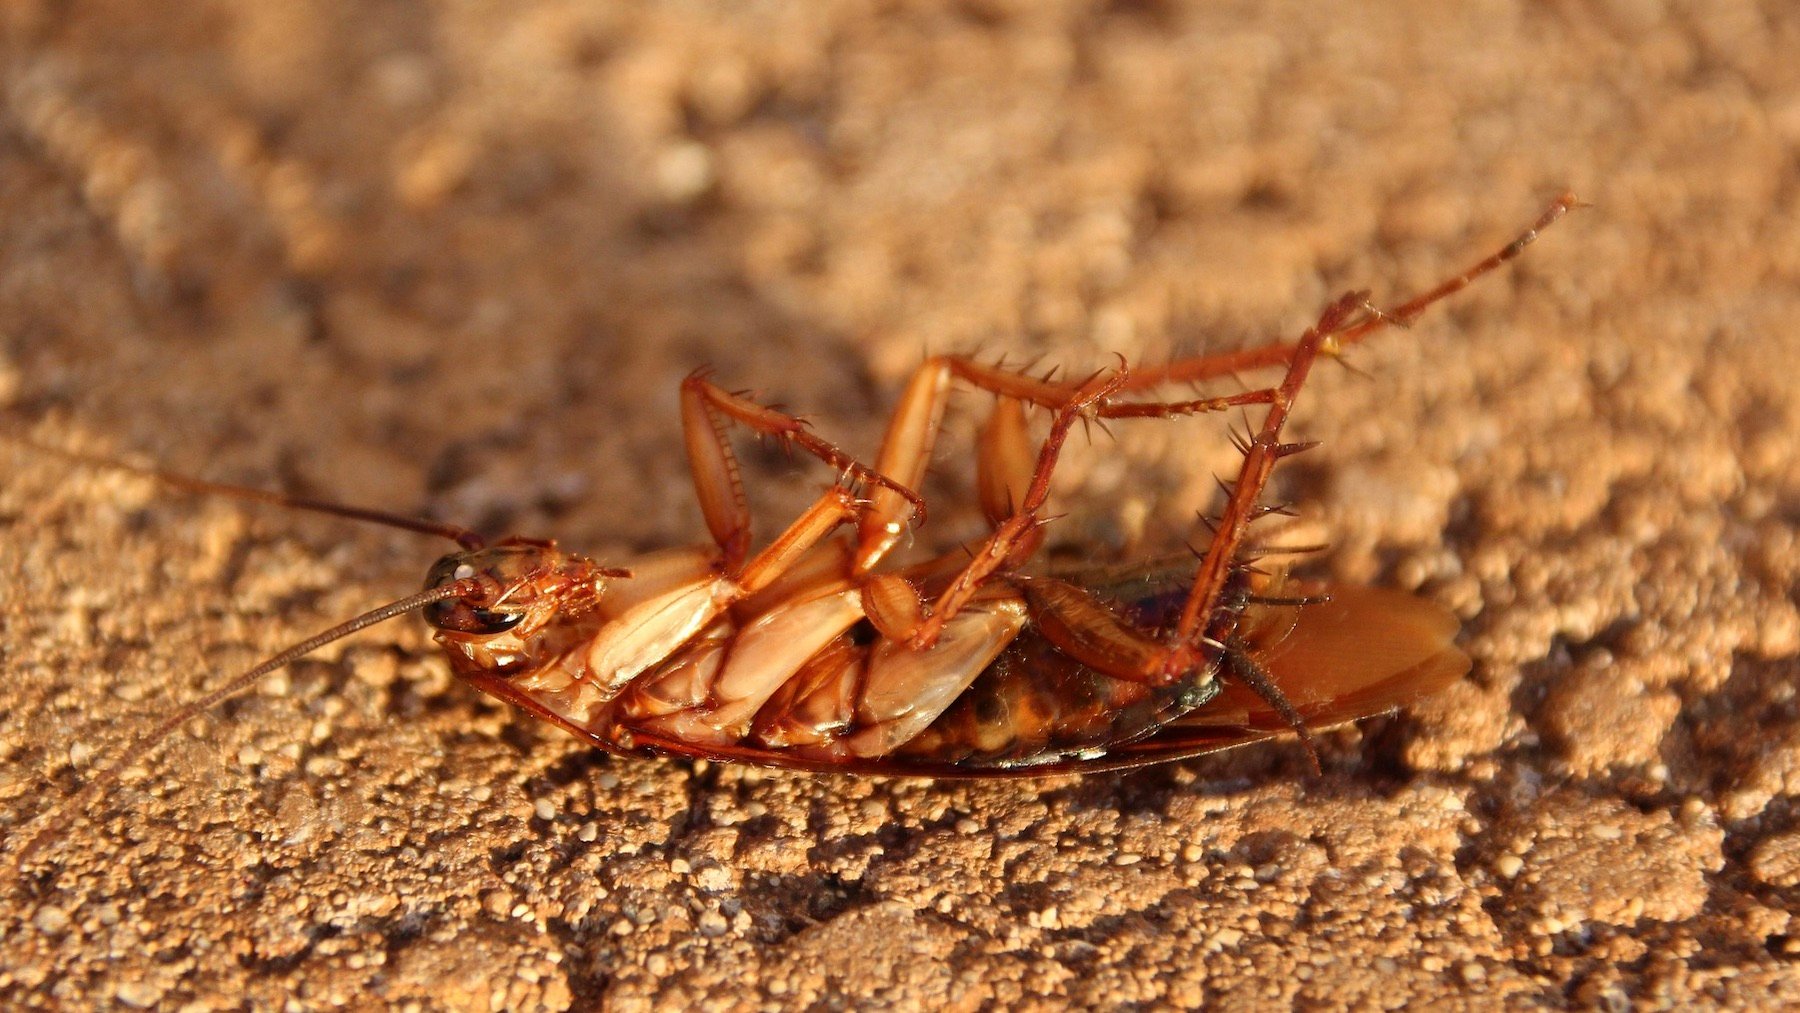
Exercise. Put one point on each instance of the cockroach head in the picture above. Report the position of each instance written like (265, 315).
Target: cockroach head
(511, 587)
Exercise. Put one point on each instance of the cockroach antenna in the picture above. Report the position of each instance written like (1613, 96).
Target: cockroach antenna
(62, 815)
(186, 483)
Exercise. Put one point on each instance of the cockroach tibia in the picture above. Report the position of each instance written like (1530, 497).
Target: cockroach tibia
(813, 652)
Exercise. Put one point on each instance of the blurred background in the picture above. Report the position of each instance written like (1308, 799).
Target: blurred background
(459, 257)
(454, 259)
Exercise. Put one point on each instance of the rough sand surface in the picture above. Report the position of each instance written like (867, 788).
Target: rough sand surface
(455, 258)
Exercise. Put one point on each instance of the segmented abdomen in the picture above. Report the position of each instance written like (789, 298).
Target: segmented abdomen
(811, 678)
(995, 695)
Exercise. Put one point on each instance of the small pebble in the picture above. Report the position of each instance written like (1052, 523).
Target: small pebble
(684, 171)
(52, 921)
(139, 995)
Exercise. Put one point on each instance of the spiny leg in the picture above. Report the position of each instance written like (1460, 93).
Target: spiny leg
(1244, 668)
(1121, 651)
(706, 411)
(1005, 459)
(1000, 546)
(1013, 490)
(1266, 448)
(1004, 463)
(1278, 353)
(1017, 532)
(836, 507)
(912, 434)
(1012, 477)
(1203, 624)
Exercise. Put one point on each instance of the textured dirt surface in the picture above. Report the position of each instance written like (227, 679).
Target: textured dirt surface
(455, 258)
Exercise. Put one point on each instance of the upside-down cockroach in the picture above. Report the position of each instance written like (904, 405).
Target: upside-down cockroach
(810, 653)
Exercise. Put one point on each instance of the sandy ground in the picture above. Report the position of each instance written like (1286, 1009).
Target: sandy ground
(455, 258)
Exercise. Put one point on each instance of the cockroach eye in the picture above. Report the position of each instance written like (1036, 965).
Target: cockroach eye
(459, 616)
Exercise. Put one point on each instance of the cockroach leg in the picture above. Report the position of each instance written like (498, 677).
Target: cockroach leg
(1084, 628)
(1244, 668)
(905, 451)
(1012, 489)
(1278, 353)
(1266, 448)
(1081, 628)
(1000, 546)
(1006, 461)
(1003, 460)
(706, 410)
(838, 506)
(1016, 532)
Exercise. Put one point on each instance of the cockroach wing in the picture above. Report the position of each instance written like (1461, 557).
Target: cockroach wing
(1361, 652)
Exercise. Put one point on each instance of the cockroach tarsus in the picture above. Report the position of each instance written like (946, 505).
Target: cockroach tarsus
(810, 653)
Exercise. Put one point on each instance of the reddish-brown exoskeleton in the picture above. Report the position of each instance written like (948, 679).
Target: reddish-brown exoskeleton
(810, 653)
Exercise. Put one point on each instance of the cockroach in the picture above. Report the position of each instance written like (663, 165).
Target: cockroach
(810, 654)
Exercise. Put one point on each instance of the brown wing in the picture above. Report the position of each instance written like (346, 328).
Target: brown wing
(1363, 652)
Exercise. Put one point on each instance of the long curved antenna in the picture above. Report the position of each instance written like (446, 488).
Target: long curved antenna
(460, 535)
(63, 815)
